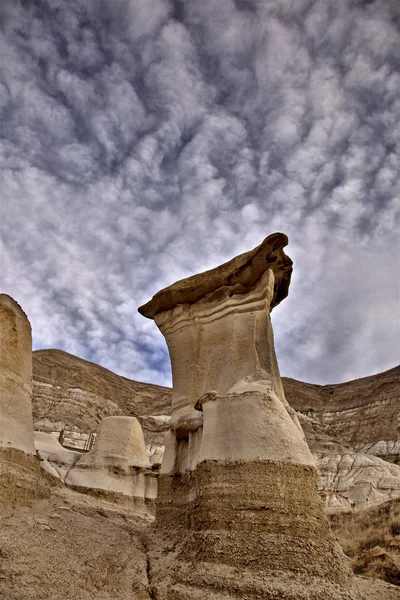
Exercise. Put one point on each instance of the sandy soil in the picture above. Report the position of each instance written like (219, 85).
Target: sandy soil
(72, 546)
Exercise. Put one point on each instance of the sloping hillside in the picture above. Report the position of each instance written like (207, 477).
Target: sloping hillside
(74, 393)
(355, 413)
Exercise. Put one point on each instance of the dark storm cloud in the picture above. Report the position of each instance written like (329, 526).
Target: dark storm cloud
(143, 141)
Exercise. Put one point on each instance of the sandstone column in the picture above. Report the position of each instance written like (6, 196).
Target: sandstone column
(118, 462)
(16, 424)
(238, 482)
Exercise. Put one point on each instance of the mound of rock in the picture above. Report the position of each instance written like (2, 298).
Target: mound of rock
(356, 480)
(118, 462)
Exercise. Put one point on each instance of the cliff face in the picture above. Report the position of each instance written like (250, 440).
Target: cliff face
(352, 428)
(355, 414)
(76, 394)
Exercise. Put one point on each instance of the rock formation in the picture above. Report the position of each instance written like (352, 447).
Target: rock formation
(72, 393)
(355, 480)
(238, 481)
(21, 478)
(358, 414)
(344, 425)
(55, 459)
(118, 462)
(16, 424)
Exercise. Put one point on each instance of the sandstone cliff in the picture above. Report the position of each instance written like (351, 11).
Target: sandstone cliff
(357, 414)
(72, 393)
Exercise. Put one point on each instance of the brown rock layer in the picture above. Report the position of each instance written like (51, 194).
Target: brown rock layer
(238, 480)
(69, 391)
(236, 276)
(22, 480)
(259, 515)
(353, 413)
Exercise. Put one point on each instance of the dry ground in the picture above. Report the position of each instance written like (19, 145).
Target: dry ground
(72, 546)
(371, 539)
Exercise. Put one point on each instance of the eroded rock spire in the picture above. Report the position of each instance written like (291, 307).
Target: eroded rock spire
(238, 481)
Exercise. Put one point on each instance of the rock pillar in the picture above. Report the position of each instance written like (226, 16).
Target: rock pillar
(16, 423)
(238, 481)
(118, 463)
(21, 477)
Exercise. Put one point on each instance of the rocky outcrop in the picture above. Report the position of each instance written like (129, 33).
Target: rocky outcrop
(20, 473)
(354, 480)
(55, 459)
(119, 466)
(72, 393)
(356, 414)
(118, 463)
(372, 399)
(387, 450)
(238, 480)
(351, 427)
(240, 275)
(16, 426)
(74, 546)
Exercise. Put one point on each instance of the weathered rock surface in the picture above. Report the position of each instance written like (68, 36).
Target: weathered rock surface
(16, 427)
(21, 478)
(350, 427)
(118, 462)
(356, 414)
(72, 393)
(356, 480)
(238, 481)
(72, 546)
(361, 415)
(387, 450)
(55, 459)
(323, 411)
(237, 276)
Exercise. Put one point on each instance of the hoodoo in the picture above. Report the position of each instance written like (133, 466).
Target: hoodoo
(118, 462)
(16, 423)
(238, 481)
(21, 477)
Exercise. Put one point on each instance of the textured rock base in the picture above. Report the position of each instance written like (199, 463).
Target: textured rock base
(183, 581)
(22, 479)
(246, 530)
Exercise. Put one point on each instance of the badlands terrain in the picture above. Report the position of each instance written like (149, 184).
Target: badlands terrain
(352, 428)
(220, 489)
(106, 544)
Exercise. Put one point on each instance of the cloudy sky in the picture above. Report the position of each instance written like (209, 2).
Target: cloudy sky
(145, 140)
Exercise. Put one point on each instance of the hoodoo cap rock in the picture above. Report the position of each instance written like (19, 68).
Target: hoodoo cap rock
(236, 276)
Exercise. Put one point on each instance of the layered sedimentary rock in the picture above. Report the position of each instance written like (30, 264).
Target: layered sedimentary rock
(357, 414)
(16, 424)
(72, 393)
(20, 476)
(350, 427)
(238, 481)
(355, 480)
(118, 462)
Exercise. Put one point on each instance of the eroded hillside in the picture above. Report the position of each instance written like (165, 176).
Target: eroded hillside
(74, 393)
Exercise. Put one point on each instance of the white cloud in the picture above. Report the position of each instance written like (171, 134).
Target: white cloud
(145, 141)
